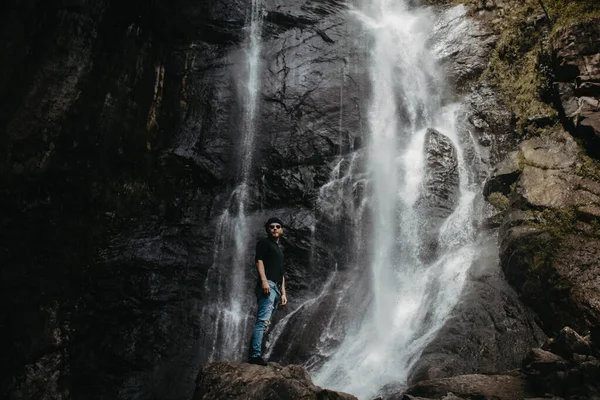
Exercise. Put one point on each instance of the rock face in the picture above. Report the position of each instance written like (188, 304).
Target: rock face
(227, 380)
(577, 70)
(549, 245)
(463, 45)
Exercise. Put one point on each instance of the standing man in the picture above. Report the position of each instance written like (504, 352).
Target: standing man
(270, 287)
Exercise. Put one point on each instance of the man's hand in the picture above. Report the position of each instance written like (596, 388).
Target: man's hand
(283, 299)
(266, 288)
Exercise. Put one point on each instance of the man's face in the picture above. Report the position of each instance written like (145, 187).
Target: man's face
(275, 230)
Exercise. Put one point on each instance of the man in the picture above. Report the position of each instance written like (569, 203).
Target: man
(270, 288)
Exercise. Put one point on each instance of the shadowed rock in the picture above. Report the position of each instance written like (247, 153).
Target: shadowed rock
(229, 381)
(574, 374)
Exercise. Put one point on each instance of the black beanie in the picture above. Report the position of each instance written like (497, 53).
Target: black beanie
(273, 220)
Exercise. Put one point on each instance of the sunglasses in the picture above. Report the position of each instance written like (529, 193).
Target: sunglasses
(274, 226)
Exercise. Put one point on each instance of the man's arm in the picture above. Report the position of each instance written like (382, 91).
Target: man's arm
(283, 295)
(260, 267)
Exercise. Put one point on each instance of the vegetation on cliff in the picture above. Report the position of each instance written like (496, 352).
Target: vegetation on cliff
(521, 63)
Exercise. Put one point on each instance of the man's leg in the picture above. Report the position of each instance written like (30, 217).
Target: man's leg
(266, 305)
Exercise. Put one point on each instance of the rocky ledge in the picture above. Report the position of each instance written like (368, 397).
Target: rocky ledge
(565, 367)
(229, 380)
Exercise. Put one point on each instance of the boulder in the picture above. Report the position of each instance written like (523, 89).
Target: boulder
(440, 192)
(229, 381)
(573, 376)
(494, 387)
(568, 343)
(440, 186)
(539, 361)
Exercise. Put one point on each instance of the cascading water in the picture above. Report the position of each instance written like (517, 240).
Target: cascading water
(226, 280)
(410, 296)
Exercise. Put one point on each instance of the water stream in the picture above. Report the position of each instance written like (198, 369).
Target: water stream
(227, 278)
(409, 297)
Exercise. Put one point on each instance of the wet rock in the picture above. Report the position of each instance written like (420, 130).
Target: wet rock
(463, 45)
(441, 189)
(491, 123)
(488, 331)
(227, 380)
(41, 379)
(557, 275)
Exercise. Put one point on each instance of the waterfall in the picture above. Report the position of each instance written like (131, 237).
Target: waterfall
(412, 286)
(227, 281)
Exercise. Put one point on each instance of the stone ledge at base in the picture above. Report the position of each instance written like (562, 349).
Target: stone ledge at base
(475, 386)
(227, 380)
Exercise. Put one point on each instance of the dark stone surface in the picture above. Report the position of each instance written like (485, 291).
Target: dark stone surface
(226, 380)
(548, 251)
(575, 375)
(488, 331)
(441, 190)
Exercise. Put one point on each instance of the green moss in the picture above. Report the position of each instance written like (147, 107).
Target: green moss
(588, 168)
(558, 221)
(499, 201)
(568, 12)
(595, 228)
(522, 160)
(520, 65)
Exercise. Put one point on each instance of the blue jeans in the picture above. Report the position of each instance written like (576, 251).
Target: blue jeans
(266, 305)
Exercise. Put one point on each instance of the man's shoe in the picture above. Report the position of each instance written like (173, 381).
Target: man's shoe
(257, 360)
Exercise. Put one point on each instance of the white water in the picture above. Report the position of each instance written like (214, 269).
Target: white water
(409, 300)
(227, 279)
